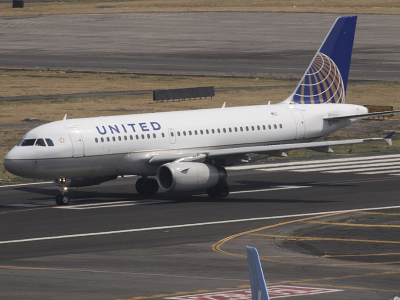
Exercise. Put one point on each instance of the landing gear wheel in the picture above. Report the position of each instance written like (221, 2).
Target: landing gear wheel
(140, 185)
(222, 190)
(147, 186)
(211, 192)
(151, 186)
(62, 199)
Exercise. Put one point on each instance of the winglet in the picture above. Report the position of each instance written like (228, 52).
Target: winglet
(258, 286)
(388, 138)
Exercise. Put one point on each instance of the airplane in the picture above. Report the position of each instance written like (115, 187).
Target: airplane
(259, 289)
(189, 150)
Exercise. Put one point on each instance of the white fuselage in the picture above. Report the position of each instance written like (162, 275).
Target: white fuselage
(123, 145)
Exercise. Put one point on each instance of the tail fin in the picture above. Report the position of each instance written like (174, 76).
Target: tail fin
(325, 80)
(258, 286)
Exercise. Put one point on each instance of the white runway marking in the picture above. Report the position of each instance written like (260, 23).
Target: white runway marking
(103, 233)
(382, 164)
(113, 204)
(322, 161)
(276, 188)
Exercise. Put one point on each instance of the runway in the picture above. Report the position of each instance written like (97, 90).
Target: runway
(256, 44)
(111, 243)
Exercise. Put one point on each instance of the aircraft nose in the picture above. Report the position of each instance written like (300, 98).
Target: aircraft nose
(11, 164)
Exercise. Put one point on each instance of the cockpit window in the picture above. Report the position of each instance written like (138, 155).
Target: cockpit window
(49, 142)
(28, 142)
(40, 142)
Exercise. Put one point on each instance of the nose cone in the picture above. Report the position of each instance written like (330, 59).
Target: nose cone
(12, 164)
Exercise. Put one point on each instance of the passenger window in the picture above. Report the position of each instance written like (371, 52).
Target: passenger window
(230, 129)
(142, 136)
(207, 131)
(264, 127)
(131, 137)
(113, 138)
(40, 142)
(218, 130)
(137, 137)
(184, 133)
(125, 138)
(162, 134)
(190, 132)
(119, 138)
(148, 136)
(195, 132)
(212, 130)
(29, 142)
(102, 140)
(201, 131)
(252, 128)
(154, 135)
(275, 126)
(247, 128)
(50, 142)
(108, 139)
(235, 129)
(258, 127)
(96, 140)
(269, 126)
(280, 125)
(172, 134)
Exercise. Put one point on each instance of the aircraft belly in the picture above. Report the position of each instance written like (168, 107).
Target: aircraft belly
(73, 167)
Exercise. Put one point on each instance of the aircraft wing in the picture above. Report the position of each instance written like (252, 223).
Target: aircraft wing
(363, 115)
(203, 155)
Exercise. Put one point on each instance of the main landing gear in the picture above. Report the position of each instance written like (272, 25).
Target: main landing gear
(148, 186)
(221, 190)
(62, 198)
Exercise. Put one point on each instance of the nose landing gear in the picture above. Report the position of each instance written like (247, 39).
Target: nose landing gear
(62, 198)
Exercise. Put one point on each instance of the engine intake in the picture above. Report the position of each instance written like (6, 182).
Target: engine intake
(189, 176)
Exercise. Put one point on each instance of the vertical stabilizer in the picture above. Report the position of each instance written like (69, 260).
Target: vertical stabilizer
(258, 286)
(325, 80)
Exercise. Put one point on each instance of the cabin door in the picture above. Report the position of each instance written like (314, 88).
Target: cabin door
(172, 135)
(300, 124)
(77, 141)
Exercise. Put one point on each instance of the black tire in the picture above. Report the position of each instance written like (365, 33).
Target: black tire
(151, 186)
(222, 190)
(211, 192)
(62, 199)
(59, 199)
(140, 186)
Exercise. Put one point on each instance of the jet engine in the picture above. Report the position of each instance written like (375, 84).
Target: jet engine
(189, 176)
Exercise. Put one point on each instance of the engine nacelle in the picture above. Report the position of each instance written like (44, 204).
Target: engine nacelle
(189, 176)
(81, 182)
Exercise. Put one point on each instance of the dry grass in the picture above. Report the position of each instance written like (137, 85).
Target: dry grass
(41, 82)
(12, 114)
(107, 6)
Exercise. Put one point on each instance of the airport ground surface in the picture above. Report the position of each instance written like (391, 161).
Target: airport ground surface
(195, 43)
(111, 243)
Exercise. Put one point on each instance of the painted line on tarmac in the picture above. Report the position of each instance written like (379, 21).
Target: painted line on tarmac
(277, 188)
(189, 225)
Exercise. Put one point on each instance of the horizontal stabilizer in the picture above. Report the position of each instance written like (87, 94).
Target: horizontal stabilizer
(390, 112)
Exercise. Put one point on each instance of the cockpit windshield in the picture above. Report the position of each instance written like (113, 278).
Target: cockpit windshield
(28, 142)
(40, 142)
(36, 142)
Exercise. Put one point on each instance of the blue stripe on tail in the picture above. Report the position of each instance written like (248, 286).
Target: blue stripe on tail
(325, 81)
